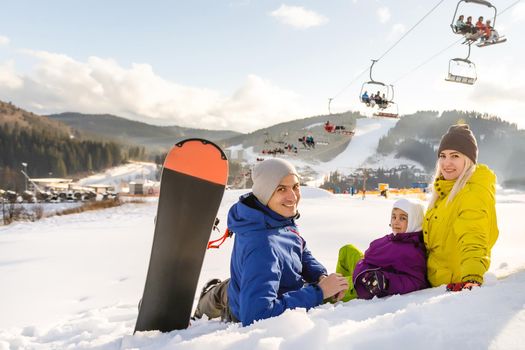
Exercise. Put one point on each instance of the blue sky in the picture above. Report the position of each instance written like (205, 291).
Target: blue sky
(244, 64)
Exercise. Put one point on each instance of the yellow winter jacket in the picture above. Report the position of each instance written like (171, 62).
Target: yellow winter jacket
(459, 236)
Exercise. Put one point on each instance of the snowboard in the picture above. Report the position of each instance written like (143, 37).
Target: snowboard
(192, 184)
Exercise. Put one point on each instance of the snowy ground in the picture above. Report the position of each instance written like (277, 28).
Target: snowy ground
(132, 171)
(74, 282)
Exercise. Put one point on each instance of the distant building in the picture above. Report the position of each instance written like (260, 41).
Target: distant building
(101, 188)
(144, 187)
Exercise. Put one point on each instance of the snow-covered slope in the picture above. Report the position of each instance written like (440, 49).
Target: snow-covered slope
(360, 152)
(368, 131)
(75, 281)
(132, 171)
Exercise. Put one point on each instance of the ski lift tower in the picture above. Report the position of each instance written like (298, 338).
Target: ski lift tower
(25, 174)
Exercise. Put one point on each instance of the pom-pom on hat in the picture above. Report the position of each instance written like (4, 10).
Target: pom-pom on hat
(267, 175)
(460, 138)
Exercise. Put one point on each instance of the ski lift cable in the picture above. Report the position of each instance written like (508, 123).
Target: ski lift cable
(411, 29)
(387, 51)
(428, 60)
(350, 83)
(445, 49)
(509, 7)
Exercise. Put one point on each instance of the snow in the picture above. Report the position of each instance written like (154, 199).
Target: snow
(132, 171)
(311, 126)
(74, 282)
(368, 131)
(360, 152)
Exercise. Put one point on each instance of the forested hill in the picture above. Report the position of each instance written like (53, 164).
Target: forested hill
(156, 139)
(501, 144)
(48, 147)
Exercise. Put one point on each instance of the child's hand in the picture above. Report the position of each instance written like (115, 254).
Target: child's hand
(375, 282)
(332, 285)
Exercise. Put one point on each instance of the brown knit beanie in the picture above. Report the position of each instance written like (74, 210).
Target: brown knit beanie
(460, 138)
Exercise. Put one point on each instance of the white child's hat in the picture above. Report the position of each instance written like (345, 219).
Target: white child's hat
(415, 210)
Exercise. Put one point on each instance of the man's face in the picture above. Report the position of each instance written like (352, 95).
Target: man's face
(286, 197)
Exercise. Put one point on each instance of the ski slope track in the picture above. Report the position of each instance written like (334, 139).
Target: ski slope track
(364, 144)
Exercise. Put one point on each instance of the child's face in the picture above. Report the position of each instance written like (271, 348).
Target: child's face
(399, 221)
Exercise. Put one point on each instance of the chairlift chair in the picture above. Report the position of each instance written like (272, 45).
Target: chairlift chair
(391, 111)
(373, 86)
(455, 30)
(474, 37)
(456, 69)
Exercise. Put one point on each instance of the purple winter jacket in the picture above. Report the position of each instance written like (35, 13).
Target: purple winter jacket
(401, 258)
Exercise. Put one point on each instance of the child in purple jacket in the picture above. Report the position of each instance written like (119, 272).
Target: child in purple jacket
(393, 264)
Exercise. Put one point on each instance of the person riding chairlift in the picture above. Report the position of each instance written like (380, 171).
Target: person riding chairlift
(329, 127)
(480, 26)
(472, 32)
(365, 98)
(490, 34)
(384, 102)
(461, 26)
(377, 98)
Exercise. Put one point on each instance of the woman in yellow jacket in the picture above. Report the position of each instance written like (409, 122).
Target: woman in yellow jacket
(460, 226)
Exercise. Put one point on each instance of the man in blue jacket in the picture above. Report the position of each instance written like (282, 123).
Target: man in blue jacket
(271, 268)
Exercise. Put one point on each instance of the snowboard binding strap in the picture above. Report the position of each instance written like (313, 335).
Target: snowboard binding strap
(220, 241)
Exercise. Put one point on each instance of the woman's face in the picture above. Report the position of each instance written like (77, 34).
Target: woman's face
(451, 164)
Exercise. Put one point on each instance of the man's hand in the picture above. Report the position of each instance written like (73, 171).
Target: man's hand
(333, 285)
(456, 287)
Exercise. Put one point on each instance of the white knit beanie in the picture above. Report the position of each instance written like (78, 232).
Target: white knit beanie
(267, 175)
(415, 210)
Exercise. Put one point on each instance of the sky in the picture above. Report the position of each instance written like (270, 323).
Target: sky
(74, 282)
(244, 65)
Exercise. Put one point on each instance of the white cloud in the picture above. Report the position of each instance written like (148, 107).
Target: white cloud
(518, 13)
(59, 83)
(298, 17)
(384, 14)
(490, 90)
(258, 102)
(397, 30)
(8, 77)
(4, 40)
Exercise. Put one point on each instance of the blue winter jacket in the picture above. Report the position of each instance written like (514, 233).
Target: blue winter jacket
(269, 264)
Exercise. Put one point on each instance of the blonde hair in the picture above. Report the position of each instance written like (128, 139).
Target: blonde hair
(461, 181)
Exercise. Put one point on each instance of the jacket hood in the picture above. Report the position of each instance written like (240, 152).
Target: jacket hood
(484, 177)
(415, 210)
(249, 215)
